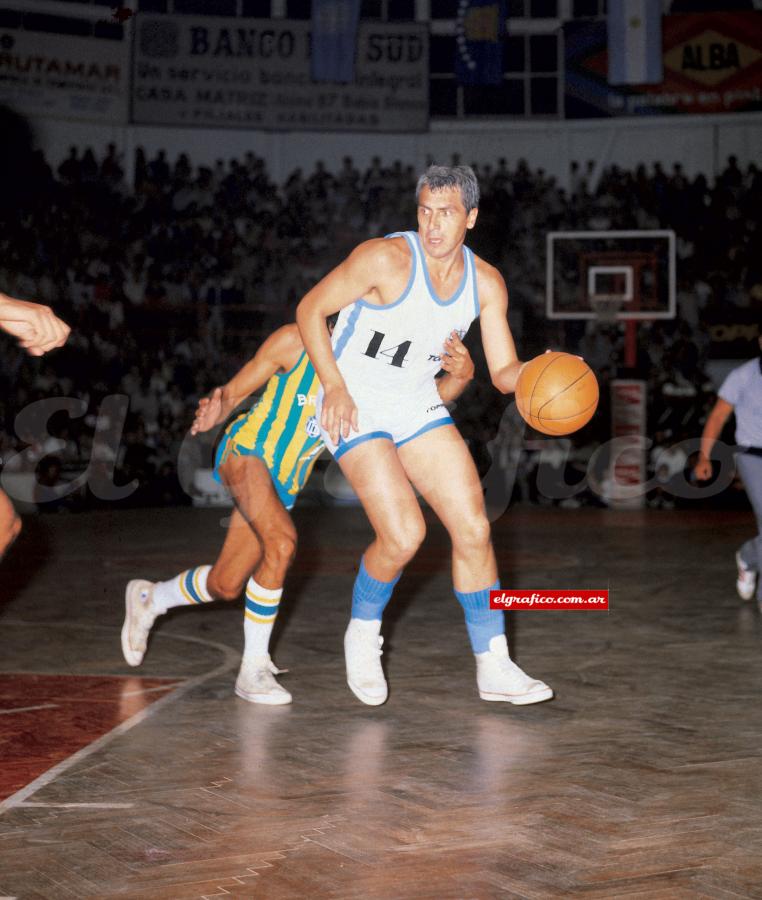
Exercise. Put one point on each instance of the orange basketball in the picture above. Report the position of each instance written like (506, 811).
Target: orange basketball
(557, 393)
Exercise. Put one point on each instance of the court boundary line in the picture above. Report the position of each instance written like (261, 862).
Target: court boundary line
(230, 659)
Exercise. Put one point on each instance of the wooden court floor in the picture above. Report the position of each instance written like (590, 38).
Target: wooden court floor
(643, 778)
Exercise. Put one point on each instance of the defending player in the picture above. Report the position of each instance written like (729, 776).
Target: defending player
(265, 457)
(398, 298)
(38, 330)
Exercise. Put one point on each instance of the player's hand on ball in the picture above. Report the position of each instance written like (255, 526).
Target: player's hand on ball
(339, 413)
(456, 359)
(208, 412)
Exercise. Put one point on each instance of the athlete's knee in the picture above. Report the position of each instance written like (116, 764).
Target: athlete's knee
(222, 587)
(472, 532)
(402, 545)
(280, 547)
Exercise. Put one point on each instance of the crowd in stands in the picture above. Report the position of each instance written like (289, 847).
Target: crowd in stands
(170, 274)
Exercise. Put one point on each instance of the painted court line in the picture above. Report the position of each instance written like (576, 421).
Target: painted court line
(27, 804)
(153, 690)
(18, 709)
(231, 658)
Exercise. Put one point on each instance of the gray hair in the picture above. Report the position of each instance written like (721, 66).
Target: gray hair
(437, 178)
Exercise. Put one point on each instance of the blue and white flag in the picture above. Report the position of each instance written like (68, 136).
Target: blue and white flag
(480, 30)
(334, 39)
(634, 42)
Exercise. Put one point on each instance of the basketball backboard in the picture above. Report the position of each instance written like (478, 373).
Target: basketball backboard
(632, 272)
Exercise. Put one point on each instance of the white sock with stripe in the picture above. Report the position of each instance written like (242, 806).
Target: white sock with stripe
(259, 618)
(188, 587)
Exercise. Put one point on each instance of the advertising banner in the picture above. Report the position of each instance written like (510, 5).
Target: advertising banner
(256, 73)
(712, 63)
(733, 333)
(64, 76)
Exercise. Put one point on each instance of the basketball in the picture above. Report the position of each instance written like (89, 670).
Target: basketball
(557, 393)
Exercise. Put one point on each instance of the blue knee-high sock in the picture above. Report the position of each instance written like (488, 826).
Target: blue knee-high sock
(482, 622)
(369, 596)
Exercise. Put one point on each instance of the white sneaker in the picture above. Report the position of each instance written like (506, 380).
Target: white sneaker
(499, 678)
(256, 684)
(746, 581)
(138, 619)
(362, 653)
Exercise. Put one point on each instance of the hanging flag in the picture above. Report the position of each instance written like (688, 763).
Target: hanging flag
(480, 28)
(334, 39)
(634, 42)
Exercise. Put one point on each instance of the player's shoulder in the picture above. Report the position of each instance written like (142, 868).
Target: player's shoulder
(284, 346)
(286, 336)
(489, 279)
(382, 253)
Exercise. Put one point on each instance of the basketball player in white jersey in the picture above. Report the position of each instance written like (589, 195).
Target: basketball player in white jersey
(399, 298)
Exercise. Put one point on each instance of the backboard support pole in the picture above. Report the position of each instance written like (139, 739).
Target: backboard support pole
(630, 344)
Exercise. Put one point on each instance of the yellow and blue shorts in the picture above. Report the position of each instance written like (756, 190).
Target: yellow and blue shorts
(228, 446)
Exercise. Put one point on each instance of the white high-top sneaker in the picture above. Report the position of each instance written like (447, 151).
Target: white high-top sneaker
(362, 653)
(139, 616)
(499, 678)
(256, 683)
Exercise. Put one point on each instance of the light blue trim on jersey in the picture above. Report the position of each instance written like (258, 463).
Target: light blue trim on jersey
(348, 331)
(361, 303)
(437, 423)
(410, 282)
(345, 446)
(470, 258)
(430, 286)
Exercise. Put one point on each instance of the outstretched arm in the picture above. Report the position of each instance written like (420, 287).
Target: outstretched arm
(499, 347)
(35, 326)
(459, 369)
(712, 430)
(277, 352)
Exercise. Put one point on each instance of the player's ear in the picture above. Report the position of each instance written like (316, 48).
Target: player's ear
(471, 218)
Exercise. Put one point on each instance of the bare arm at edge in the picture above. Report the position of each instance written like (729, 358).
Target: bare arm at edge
(499, 347)
(712, 430)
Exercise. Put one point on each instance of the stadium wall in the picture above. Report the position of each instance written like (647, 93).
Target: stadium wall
(701, 144)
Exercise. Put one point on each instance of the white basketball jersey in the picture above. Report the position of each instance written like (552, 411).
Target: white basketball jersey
(394, 351)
